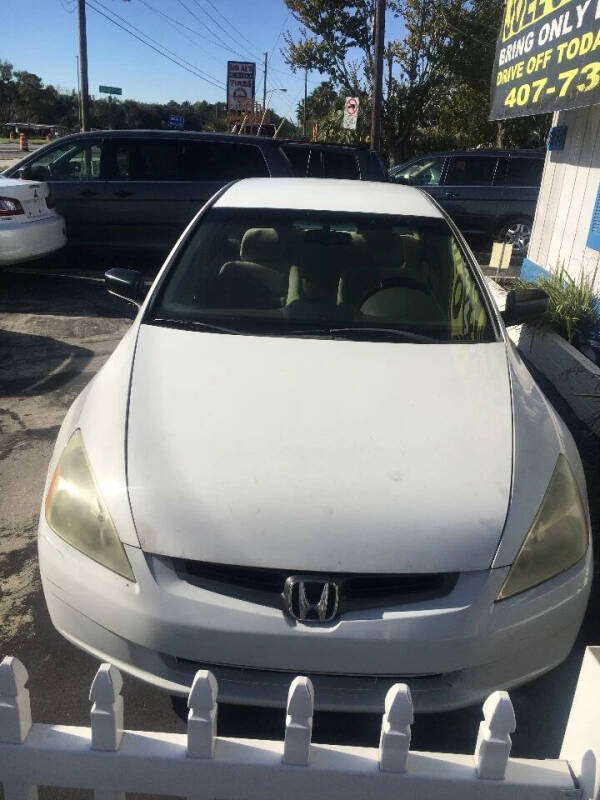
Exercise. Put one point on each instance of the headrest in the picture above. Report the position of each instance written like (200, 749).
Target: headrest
(261, 245)
(321, 236)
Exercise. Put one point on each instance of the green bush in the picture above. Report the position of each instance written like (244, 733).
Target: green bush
(573, 305)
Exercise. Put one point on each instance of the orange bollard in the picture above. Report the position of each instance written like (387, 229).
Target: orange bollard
(11, 135)
(23, 143)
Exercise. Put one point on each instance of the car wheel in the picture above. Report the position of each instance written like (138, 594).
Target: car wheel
(518, 233)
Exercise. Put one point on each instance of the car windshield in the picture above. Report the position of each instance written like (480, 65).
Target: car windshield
(321, 273)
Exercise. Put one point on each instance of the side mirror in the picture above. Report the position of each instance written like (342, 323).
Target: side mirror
(24, 173)
(525, 305)
(126, 284)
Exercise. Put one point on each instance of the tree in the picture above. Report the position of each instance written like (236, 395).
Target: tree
(437, 76)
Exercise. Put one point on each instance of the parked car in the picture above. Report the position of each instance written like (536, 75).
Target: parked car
(29, 224)
(488, 193)
(140, 189)
(318, 455)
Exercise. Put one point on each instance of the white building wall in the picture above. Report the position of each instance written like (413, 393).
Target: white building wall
(567, 197)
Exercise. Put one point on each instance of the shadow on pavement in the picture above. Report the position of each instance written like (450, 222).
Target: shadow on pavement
(33, 365)
(26, 293)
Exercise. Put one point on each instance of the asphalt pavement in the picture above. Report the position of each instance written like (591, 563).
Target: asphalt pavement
(57, 328)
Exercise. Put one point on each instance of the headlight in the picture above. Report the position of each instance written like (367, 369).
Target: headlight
(558, 537)
(76, 512)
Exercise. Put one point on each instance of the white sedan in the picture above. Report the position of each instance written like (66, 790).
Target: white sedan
(30, 227)
(316, 452)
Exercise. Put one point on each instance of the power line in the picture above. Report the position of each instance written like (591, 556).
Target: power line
(225, 30)
(156, 50)
(232, 26)
(208, 28)
(192, 30)
(279, 35)
(164, 47)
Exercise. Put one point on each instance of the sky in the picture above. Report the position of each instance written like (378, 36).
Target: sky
(203, 33)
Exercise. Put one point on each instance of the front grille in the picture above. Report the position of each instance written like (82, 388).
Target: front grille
(265, 586)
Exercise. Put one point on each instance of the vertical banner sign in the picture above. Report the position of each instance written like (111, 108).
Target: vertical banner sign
(351, 112)
(547, 57)
(240, 85)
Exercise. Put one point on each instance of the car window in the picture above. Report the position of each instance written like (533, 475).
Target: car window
(471, 170)
(426, 172)
(306, 161)
(221, 161)
(145, 160)
(340, 164)
(313, 270)
(71, 161)
(183, 160)
(524, 171)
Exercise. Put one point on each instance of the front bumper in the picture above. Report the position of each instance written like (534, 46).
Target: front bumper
(22, 241)
(452, 651)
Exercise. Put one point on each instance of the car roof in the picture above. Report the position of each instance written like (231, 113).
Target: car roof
(329, 194)
(488, 152)
(155, 133)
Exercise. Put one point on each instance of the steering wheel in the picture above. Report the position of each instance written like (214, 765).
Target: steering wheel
(404, 281)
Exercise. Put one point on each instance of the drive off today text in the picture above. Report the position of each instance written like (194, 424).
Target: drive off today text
(550, 31)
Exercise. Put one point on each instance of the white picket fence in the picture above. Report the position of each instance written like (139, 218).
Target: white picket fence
(201, 764)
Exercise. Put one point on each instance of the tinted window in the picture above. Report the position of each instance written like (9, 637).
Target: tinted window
(302, 271)
(306, 162)
(180, 160)
(471, 170)
(222, 161)
(71, 161)
(340, 164)
(524, 171)
(145, 160)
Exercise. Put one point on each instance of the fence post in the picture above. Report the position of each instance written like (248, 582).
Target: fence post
(493, 740)
(202, 716)
(394, 742)
(15, 719)
(298, 722)
(581, 742)
(107, 711)
(15, 709)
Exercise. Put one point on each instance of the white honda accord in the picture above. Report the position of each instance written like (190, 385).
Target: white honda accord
(316, 452)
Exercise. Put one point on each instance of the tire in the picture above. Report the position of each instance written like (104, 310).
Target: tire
(517, 231)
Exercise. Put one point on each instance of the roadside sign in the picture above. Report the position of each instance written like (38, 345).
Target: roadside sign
(241, 77)
(545, 58)
(109, 89)
(176, 122)
(351, 113)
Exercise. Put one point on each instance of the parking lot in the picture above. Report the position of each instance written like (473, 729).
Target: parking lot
(57, 328)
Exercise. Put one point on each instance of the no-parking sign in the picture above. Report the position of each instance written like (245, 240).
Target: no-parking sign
(350, 113)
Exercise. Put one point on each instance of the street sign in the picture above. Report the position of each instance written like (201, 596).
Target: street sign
(176, 122)
(351, 113)
(109, 90)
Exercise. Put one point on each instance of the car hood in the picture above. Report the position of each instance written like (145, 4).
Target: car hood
(312, 454)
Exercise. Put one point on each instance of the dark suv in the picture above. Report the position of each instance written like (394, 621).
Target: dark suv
(141, 188)
(488, 193)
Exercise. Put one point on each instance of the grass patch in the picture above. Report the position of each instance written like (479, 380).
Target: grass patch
(574, 308)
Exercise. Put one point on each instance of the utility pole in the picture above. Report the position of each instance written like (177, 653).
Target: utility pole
(83, 68)
(265, 85)
(78, 94)
(378, 75)
(305, 100)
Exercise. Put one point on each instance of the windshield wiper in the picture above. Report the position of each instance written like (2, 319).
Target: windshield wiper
(191, 323)
(382, 334)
